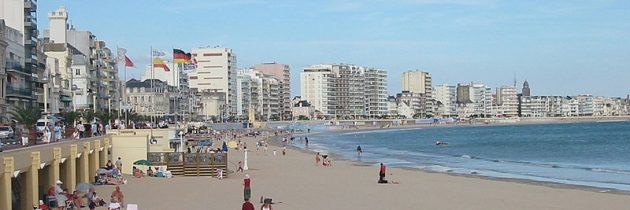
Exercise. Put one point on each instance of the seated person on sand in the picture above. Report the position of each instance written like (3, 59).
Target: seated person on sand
(326, 161)
(137, 172)
(149, 172)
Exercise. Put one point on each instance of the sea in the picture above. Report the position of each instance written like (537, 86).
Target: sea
(594, 154)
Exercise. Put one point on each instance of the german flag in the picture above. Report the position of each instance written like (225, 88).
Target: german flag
(157, 62)
(179, 56)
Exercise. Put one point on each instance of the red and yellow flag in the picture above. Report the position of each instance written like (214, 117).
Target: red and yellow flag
(157, 62)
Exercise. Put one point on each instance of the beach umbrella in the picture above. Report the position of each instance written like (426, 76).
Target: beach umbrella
(142, 162)
(225, 147)
(232, 144)
(84, 187)
(101, 171)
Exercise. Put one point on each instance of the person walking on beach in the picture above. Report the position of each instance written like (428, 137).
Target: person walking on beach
(240, 166)
(247, 190)
(248, 205)
(359, 150)
(119, 164)
(381, 174)
(284, 150)
(318, 159)
(306, 141)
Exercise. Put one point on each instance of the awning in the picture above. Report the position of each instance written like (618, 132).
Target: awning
(66, 99)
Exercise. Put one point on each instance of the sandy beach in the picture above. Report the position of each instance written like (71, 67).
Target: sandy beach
(293, 181)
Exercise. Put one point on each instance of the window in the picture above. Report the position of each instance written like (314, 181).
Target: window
(78, 71)
(212, 54)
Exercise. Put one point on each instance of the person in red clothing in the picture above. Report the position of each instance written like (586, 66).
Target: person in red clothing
(247, 191)
(248, 205)
(42, 206)
(381, 174)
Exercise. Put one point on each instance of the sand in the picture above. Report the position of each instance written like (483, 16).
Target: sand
(294, 182)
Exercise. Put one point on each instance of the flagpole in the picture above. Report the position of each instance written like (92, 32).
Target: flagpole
(151, 106)
(176, 106)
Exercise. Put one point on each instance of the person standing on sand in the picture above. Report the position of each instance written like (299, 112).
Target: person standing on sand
(359, 150)
(247, 190)
(306, 141)
(381, 174)
(317, 159)
(248, 205)
(284, 150)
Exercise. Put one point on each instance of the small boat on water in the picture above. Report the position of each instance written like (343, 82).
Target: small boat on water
(441, 143)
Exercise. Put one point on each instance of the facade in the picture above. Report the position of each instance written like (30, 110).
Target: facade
(541, 106)
(474, 100)
(446, 100)
(260, 92)
(417, 81)
(340, 90)
(376, 92)
(3, 73)
(216, 72)
(211, 105)
(302, 108)
(585, 104)
(20, 19)
(413, 104)
(88, 70)
(150, 97)
(282, 73)
(60, 52)
(175, 77)
(507, 101)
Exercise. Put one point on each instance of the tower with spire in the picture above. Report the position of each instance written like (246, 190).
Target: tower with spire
(526, 91)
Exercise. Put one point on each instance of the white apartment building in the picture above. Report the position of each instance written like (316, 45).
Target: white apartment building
(282, 73)
(585, 104)
(474, 99)
(446, 99)
(260, 92)
(216, 72)
(341, 90)
(417, 81)
(376, 92)
(507, 101)
(541, 106)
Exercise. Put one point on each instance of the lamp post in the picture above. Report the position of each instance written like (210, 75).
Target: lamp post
(245, 161)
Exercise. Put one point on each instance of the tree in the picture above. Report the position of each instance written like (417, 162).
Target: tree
(105, 116)
(89, 116)
(70, 117)
(302, 117)
(26, 116)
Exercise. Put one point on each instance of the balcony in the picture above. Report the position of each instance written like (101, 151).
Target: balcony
(14, 66)
(19, 92)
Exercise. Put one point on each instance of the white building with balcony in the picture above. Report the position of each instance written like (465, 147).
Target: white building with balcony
(507, 101)
(345, 91)
(446, 100)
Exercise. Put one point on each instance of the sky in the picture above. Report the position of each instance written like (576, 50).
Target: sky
(560, 47)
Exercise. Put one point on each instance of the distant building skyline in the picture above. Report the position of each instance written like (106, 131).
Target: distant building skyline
(556, 46)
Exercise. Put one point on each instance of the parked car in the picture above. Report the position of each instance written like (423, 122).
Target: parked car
(6, 132)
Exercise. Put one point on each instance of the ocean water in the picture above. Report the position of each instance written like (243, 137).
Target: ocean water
(595, 154)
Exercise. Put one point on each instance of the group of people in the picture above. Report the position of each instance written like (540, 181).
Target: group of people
(59, 198)
(323, 160)
(52, 133)
(247, 195)
(89, 130)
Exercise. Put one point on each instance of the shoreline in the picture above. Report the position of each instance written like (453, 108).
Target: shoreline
(338, 157)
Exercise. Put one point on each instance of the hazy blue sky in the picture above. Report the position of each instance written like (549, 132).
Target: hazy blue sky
(560, 47)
